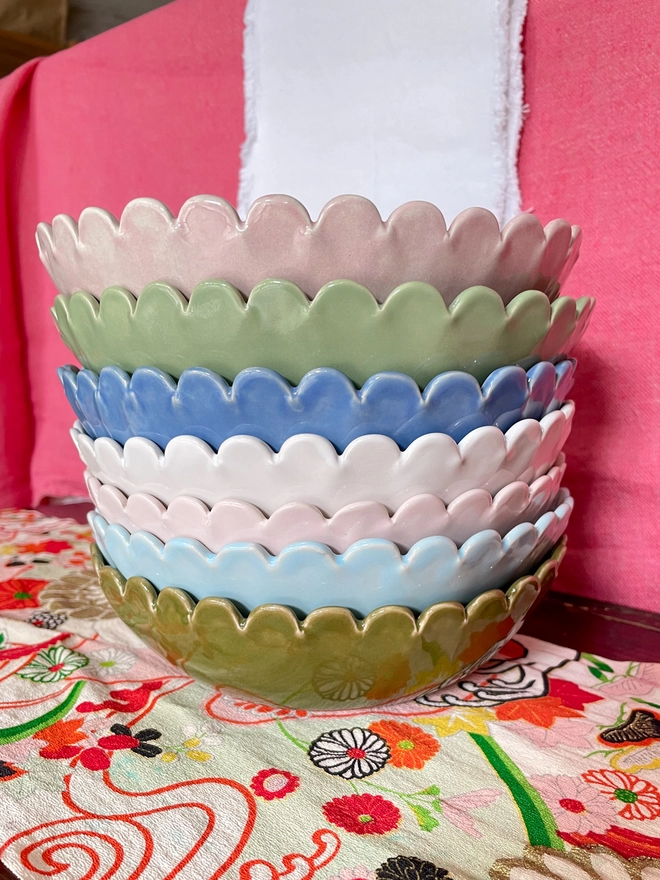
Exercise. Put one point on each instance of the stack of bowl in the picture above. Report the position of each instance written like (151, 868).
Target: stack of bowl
(318, 452)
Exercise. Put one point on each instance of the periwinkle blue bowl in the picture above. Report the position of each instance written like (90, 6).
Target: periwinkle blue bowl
(261, 403)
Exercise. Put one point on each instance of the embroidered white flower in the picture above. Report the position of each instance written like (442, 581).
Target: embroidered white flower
(110, 661)
(53, 664)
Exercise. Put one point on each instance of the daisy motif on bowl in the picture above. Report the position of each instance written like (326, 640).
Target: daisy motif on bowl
(351, 754)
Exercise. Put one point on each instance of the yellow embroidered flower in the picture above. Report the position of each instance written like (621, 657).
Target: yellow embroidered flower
(470, 720)
(190, 748)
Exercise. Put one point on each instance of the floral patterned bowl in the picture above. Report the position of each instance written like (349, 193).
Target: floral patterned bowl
(262, 404)
(343, 327)
(329, 660)
(306, 576)
(421, 516)
(279, 240)
(309, 469)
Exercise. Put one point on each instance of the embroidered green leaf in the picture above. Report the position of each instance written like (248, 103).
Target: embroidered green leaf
(595, 661)
(432, 789)
(437, 805)
(425, 820)
(598, 673)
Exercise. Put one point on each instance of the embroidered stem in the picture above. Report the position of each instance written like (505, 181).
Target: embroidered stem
(297, 742)
(539, 821)
(23, 731)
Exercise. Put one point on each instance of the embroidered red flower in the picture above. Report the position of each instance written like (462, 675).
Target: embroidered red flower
(410, 746)
(44, 547)
(639, 798)
(363, 814)
(274, 784)
(20, 593)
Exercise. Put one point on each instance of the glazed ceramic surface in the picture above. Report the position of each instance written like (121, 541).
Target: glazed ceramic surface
(329, 660)
(278, 240)
(308, 469)
(262, 404)
(305, 576)
(420, 517)
(413, 332)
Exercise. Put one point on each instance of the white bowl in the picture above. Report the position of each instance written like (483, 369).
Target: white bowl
(421, 516)
(308, 469)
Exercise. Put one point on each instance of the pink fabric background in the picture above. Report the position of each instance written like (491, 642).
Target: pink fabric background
(156, 108)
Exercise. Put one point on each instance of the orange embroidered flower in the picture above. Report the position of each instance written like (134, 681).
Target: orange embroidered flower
(640, 798)
(410, 746)
(541, 711)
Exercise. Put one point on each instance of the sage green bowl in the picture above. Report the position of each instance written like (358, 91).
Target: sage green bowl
(344, 327)
(330, 659)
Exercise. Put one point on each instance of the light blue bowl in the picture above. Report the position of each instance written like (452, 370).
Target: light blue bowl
(262, 404)
(305, 576)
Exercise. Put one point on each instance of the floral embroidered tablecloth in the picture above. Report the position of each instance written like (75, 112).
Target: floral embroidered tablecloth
(113, 764)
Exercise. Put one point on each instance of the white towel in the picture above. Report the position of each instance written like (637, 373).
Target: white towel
(390, 99)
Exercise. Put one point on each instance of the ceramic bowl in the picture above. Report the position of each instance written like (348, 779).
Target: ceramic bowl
(262, 404)
(308, 469)
(413, 332)
(420, 517)
(279, 240)
(305, 576)
(329, 660)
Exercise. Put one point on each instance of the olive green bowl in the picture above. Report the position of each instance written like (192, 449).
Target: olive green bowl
(329, 660)
(344, 327)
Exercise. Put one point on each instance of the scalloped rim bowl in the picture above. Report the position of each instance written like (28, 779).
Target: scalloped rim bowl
(344, 328)
(308, 469)
(279, 240)
(419, 517)
(262, 404)
(305, 576)
(330, 660)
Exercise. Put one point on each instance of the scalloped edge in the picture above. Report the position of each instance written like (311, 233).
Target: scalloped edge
(248, 575)
(419, 517)
(116, 586)
(413, 332)
(372, 468)
(197, 636)
(151, 404)
(279, 239)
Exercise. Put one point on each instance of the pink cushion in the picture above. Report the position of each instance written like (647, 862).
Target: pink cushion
(154, 107)
(590, 153)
